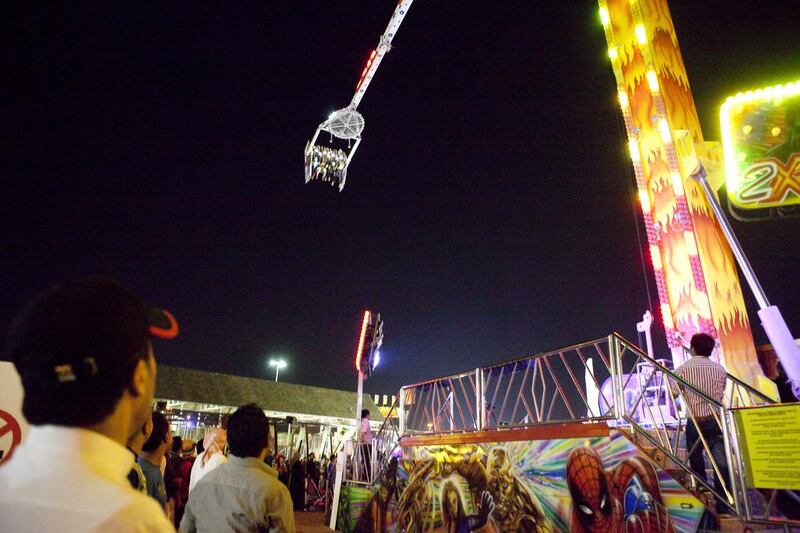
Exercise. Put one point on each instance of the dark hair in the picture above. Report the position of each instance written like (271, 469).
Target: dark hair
(449, 487)
(160, 428)
(177, 444)
(248, 431)
(702, 344)
(199, 446)
(364, 413)
(76, 347)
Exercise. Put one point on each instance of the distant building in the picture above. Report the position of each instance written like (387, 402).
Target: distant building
(301, 417)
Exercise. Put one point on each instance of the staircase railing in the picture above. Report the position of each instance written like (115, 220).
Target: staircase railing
(608, 379)
(654, 414)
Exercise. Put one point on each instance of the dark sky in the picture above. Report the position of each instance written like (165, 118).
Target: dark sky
(488, 212)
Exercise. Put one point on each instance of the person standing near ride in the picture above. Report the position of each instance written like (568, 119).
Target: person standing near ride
(152, 456)
(212, 456)
(297, 482)
(709, 377)
(135, 443)
(365, 443)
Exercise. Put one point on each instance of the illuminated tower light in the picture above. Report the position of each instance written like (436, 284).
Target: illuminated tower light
(663, 130)
(697, 275)
(677, 183)
(605, 18)
(641, 34)
(644, 200)
(652, 80)
(633, 147)
(655, 257)
(666, 316)
(691, 243)
(623, 100)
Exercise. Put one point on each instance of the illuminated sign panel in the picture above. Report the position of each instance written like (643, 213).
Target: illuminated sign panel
(370, 339)
(761, 143)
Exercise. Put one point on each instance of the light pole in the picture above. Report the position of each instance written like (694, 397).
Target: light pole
(278, 364)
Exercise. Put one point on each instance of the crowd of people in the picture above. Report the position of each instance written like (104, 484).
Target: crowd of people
(97, 458)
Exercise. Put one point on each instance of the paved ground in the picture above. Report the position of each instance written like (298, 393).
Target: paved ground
(307, 522)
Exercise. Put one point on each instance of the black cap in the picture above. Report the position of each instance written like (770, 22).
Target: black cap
(78, 330)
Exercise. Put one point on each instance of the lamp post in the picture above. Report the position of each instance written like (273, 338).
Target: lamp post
(278, 364)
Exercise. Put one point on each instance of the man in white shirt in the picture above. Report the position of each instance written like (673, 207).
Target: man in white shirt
(87, 367)
(365, 443)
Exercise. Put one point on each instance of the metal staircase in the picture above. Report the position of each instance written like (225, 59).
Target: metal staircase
(608, 380)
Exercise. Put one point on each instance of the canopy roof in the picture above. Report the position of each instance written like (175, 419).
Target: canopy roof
(201, 387)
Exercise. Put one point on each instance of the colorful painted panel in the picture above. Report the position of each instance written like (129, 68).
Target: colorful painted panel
(761, 142)
(576, 485)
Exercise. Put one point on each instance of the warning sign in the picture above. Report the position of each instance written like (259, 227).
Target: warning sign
(770, 437)
(13, 425)
(10, 435)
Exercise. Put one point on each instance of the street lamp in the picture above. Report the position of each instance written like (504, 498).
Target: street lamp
(278, 364)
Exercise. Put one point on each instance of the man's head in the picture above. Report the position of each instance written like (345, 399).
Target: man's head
(83, 352)
(248, 431)
(161, 436)
(365, 413)
(702, 344)
(187, 448)
(177, 444)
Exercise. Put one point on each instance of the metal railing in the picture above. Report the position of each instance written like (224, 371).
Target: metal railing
(693, 432)
(651, 413)
(608, 379)
(558, 386)
(440, 405)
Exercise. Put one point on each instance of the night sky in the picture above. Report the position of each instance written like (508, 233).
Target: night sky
(488, 213)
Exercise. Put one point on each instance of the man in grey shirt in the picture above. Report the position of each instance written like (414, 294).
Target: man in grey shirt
(243, 494)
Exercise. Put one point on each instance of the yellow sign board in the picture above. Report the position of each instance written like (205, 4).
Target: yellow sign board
(770, 445)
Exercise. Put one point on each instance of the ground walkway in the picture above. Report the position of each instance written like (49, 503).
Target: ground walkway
(310, 522)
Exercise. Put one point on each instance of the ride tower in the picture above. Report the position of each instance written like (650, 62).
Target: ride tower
(698, 286)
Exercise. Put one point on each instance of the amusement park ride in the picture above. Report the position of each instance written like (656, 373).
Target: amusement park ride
(694, 255)
(692, 247)
(329, 163)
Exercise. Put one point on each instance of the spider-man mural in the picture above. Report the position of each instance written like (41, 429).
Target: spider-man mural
(625, 498)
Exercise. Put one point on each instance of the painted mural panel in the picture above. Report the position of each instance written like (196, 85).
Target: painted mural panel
(575, 485)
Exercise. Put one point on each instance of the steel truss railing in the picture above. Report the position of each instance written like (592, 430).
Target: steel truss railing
(608, 379)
